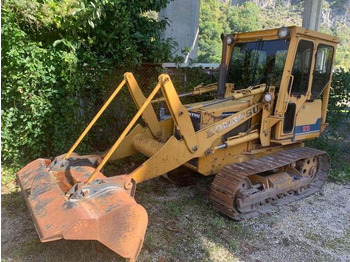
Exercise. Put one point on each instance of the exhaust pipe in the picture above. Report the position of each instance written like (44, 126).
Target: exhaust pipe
(222, 70)
(226, 40)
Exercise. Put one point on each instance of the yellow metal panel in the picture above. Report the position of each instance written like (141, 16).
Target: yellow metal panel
(211, 164)
(172, 155)
(145, 145)
(314, 34)
(308, 120)
(179, 113)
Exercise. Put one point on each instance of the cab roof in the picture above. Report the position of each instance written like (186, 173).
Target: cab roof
(271, 34)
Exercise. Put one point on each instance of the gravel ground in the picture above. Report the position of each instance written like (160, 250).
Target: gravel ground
(184, 227)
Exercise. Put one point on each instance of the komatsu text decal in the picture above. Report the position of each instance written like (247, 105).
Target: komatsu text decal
(233, 120)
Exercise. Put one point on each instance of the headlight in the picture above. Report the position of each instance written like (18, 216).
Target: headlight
(229, 40)
(267, 97)
(283, 32)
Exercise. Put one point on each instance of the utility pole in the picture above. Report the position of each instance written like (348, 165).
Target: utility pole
(312, 14)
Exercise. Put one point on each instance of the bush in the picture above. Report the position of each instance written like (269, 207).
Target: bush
(339, 100)
(54, 56)
(335, 139)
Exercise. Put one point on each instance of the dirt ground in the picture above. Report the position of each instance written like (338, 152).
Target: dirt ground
(184, 227)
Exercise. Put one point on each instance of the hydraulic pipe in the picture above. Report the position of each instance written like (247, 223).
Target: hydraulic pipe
(191, 93)
(234, 96)
(238, 140)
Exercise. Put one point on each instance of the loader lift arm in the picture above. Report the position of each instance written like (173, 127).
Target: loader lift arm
(187, 148)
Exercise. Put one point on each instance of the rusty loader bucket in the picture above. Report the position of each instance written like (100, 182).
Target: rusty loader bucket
(69, 198)
(104, 210)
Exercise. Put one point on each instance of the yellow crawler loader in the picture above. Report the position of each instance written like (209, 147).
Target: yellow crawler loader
(271, 96)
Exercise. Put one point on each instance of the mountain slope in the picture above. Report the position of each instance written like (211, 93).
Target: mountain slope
(247, 15)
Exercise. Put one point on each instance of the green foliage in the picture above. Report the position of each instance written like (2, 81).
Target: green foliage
(337, 150)
(209, 43)
(335, 141)
(339, 99)
(217, 18)
(55, 55)
(342, 58)
(244, 18)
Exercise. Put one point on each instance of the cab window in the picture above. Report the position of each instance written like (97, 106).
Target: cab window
(301, 67)
(258, 62)
(322, 70)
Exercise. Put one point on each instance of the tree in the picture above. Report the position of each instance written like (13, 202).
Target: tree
(217, 18)
(209, 43)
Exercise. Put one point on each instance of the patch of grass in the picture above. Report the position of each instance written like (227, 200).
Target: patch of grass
(33, 245)
(241, 231)
(175, 253)
(338, 243)
(173, 208)
(313, 236)
(208, 232)
(13, 203)
(152, 187)
(341, 174)
(234, 245)
(28, 247)
(217, 223)
(337, 149)
(149, 242)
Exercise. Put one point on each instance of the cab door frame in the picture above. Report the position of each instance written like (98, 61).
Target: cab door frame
(285, 95)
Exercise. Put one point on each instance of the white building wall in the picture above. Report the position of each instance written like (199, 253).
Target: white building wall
(183, 17)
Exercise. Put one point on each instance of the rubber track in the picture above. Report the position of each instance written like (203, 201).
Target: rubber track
(226, 182)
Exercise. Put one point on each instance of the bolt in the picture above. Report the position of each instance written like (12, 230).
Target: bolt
(181, 113)
(208, 152)
(85, 192)
(195, 148)
(128, 185)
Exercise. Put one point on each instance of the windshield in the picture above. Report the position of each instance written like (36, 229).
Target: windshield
(257, 62)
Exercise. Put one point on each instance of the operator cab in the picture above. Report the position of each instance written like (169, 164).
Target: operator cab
(296, 62)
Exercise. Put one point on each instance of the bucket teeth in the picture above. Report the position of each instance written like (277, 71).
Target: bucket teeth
(105, 210)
